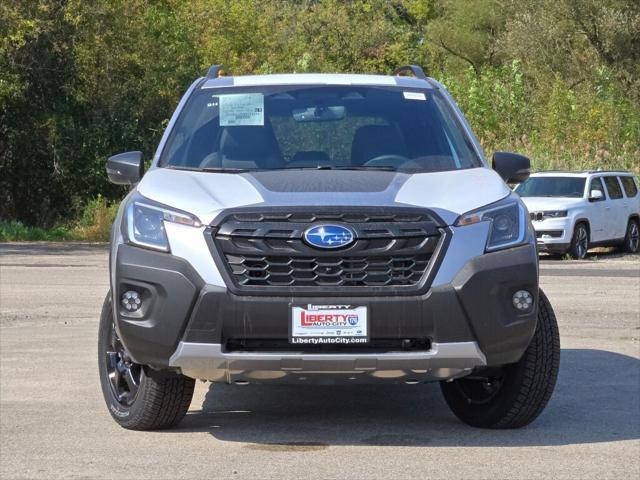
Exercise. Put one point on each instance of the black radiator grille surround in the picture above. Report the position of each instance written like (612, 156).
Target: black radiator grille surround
(262, 251)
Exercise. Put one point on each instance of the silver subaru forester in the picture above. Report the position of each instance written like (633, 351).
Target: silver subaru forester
(324, 228)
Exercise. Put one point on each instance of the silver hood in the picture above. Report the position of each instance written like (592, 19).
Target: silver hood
(205, 194)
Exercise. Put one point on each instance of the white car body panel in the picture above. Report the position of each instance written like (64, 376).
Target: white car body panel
(189, 243)
(202, 194)
(450, 194)
(617, 212)
(576, 208)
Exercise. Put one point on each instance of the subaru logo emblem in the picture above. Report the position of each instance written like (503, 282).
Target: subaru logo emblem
(329, 236)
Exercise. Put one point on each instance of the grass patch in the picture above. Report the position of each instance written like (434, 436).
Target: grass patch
(94, 225)
(16, 231)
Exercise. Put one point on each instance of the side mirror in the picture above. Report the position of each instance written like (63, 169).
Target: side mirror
(513, 168)
(596, 196)
(125, 168)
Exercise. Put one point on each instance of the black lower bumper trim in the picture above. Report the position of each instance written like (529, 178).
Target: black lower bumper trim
(553, 247)
(475, 306)
(377, 345)
(169, 287)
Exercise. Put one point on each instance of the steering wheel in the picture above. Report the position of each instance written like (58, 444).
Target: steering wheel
(389, 160)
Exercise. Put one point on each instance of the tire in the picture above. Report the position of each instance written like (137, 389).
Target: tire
(514, 395)
(138, 398)
(632, 237)
(579, 241)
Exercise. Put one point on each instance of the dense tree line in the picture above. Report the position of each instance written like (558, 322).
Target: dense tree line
(558, 80)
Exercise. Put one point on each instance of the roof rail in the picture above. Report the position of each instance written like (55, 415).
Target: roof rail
(215, 71)
(415, 69)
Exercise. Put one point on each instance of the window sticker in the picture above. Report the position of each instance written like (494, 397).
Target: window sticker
(243, 109)
(414, 96)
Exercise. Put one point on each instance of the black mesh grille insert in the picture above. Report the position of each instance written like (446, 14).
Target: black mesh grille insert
(265, 250)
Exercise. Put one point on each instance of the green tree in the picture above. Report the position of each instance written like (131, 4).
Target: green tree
(558, 80)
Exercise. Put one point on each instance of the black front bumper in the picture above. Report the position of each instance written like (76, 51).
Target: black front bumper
(179, 306)
(557, 248)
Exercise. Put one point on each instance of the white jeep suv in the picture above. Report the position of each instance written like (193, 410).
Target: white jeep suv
(574, 211)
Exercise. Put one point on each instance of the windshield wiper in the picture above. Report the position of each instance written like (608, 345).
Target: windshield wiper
(210, 169)
(226, 170)
(317, 167)
(339, 167)
(383, 168)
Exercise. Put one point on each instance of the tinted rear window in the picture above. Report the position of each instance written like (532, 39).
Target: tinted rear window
(613, 187)
(629, 185)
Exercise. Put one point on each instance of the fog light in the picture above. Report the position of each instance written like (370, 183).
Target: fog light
(523, 300)
(131, 300)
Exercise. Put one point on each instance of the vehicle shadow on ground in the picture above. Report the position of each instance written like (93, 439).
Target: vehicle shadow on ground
(597, 399)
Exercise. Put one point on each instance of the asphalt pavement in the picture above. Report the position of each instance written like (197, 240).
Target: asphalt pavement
(54, 424)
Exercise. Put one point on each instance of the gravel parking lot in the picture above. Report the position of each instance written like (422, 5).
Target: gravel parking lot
(54, 423)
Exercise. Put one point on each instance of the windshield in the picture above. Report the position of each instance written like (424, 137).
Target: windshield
(341, 127)
(572, 187)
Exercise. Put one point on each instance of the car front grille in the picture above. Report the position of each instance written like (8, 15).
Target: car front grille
(264, 250)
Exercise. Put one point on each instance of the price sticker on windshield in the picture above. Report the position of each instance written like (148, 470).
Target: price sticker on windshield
(243, 109)
(414, 96)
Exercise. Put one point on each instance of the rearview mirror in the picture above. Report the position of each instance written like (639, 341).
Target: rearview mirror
(513, 168)
(125, 168)
(319, 114)
(595, 196)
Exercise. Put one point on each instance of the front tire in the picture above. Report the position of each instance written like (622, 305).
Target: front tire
(138, 397)
(579, 242)
(514, 395)
(632, 237)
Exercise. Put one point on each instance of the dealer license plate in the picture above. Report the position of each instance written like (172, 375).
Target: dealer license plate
(328, 324)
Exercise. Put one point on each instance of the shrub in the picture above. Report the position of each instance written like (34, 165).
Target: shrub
(96, 220)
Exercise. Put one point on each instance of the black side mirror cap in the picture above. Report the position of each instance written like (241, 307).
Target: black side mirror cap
(513, 168)
(125, 168)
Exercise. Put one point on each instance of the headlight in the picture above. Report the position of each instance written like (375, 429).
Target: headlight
(554, 213)
(145, 222)
(508, 225)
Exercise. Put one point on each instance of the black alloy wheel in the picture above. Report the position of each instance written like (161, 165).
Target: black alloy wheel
(124, 375)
